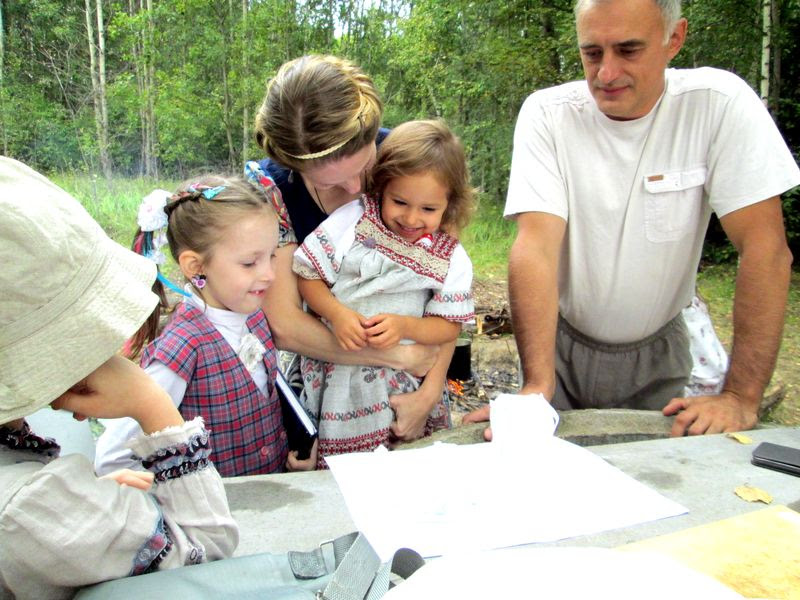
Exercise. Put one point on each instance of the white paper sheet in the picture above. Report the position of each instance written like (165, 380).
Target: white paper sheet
(448, 498)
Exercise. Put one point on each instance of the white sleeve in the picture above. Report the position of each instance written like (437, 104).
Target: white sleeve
(535, 182)
(111, 451)
(321, 253)
(65, 528)
(748, 161)
(454, 301)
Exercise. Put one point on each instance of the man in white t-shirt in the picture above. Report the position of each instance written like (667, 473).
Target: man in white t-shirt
(612, 186)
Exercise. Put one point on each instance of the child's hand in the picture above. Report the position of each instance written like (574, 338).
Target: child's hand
(348, 329)
(385, 331)
(309, 464)
(141, 480)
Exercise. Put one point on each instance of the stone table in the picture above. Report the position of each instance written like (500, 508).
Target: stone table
(296, 511)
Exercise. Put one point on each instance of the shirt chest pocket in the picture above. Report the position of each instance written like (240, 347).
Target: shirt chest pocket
(673, 203)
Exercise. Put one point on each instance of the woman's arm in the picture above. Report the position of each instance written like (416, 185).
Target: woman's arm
(298, 331)
(412, 409)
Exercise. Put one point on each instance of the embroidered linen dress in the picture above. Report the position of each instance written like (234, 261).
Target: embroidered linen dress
(372, 271)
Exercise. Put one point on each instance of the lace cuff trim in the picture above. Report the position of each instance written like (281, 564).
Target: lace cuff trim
(24, 439)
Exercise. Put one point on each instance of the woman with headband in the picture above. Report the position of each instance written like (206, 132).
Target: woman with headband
(319, 124)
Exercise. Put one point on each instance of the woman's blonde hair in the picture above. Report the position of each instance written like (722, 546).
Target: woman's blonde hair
(428, 146)
(317, 108)
(197, 215)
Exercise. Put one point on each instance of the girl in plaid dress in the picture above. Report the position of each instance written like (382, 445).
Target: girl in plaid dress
(215, 357)
(384, 269)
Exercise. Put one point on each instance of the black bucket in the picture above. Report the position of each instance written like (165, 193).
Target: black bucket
(461, 364)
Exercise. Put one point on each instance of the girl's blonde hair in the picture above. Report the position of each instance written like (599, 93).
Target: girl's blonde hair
(419, 146)
(198, 214)
(317, 108)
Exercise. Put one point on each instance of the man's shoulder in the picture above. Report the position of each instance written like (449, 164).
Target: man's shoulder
(704, 79)
(573, 94)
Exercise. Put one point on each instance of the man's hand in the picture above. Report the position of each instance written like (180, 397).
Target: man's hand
(348, 329)
(477, 416)
(710, 414)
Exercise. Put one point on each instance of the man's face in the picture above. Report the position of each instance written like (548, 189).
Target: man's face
(624, 55)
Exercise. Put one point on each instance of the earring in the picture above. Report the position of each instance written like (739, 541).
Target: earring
(199, 281)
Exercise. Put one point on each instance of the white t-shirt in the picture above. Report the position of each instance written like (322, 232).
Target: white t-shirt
(112, 452)
(637, 195)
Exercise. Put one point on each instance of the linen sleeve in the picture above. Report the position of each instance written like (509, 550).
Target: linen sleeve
(321, 253)
(536, 182)
(454, 301)
(259, 178)
(66, 528)
(111, 450)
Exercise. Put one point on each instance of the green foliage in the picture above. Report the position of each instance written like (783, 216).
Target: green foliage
(487, 239)
(471, 63)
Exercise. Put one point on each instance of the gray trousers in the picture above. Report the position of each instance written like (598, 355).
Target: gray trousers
(643, 375)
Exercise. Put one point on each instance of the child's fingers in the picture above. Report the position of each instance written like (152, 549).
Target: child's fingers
(373, 320)
(141, 480)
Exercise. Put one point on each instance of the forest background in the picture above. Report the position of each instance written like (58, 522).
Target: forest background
(113, 97)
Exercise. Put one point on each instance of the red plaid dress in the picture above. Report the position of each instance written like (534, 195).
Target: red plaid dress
(248, 434)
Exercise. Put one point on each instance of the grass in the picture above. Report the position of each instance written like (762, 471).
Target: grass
(487, 239)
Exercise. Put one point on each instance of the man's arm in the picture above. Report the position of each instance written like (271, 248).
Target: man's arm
(297, 331)
(762, 286)
(533, 293)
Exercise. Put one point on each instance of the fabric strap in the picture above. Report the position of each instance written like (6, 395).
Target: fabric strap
(356, 574)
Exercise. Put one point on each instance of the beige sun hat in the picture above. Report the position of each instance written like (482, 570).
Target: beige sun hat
(69, 296)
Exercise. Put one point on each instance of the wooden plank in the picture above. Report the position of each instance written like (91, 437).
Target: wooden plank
(756, 554)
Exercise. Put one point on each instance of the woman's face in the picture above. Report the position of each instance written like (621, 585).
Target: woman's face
(346, 173)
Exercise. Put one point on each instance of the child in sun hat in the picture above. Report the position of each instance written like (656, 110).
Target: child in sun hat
(69, 298)
(215, 357)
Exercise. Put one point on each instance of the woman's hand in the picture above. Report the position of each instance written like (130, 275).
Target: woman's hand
(308, 464)
(119, 388)
(411, 411)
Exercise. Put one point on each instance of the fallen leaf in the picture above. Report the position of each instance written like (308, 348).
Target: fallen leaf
(753, 494)
(740, 437)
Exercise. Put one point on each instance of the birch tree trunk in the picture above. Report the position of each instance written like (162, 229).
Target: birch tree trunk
(105, 157)
(245, 79)
(151, 163)
(137, 53)
(93, 70)
(766, 48)
(3, 83)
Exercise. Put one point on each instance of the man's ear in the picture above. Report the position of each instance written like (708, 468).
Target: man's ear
(677, 38)
(191, 263)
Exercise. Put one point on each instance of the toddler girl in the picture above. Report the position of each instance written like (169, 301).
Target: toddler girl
(387, 268)
(215, 357)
